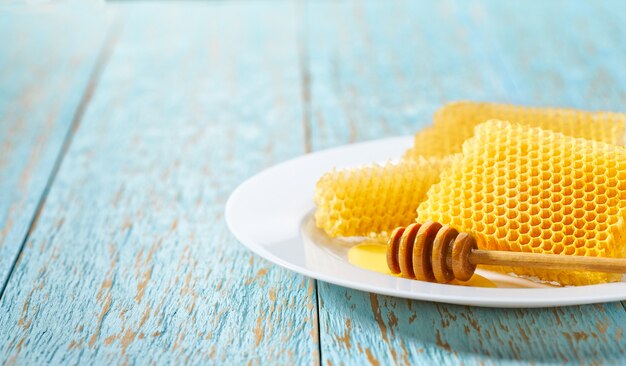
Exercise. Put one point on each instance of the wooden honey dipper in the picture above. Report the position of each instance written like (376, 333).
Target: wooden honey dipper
(436, 253)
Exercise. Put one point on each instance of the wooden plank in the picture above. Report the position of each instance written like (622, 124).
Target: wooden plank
(378, 70)
(362, 328)
(45, 66)
(131, 261)
(564, 54)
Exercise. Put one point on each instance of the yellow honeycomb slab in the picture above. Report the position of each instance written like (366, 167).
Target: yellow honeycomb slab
(373, 200)
(454, 123)
(527, 189)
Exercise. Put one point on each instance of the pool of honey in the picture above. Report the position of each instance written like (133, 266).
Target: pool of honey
(370, 255)
(373, 256)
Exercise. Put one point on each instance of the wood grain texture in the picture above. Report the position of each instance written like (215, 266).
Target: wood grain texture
(561, 53)
(378, 71)
(45, 66)
(130, 260)
(548, 261)
(362, 328)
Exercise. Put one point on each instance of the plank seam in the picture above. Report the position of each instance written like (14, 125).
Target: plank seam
(317, 318)
(303, 56)
(480, 43)
(101, 61)
(305, 77)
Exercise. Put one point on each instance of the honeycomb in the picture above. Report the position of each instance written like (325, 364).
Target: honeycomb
(455, 122)
(525, 189)
(372, 200)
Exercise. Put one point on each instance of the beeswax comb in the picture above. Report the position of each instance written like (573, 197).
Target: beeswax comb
(454, 123)
(371, 201)
(436, 253)
(522, 189)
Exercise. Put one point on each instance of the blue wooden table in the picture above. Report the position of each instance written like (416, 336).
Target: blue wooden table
(124, 127)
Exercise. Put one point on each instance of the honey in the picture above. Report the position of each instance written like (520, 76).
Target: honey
(372, 256)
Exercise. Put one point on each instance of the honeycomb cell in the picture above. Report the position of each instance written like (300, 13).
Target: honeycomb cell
(537, 244)
(578, 165)
(481, 226)
(567, 172)
(558, 248)
(372, 200)
(567, 210)
(501, 222)
(455, 122)
(578, 233)
(569, 240)
(545, 224)
(546, 246)
(579, 219)
(535, 221)
(590, 216)
(524, 218)
(598, 209)
(568, 220)
(524, 196)
(557, 227)
(579, 184)
(535, 231)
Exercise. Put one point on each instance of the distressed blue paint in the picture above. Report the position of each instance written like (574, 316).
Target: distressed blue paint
(378, 71)
(570, 53)
(358, 327)
(44, 68)
(131, 260)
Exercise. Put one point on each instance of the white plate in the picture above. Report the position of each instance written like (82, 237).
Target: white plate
(270, 214)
